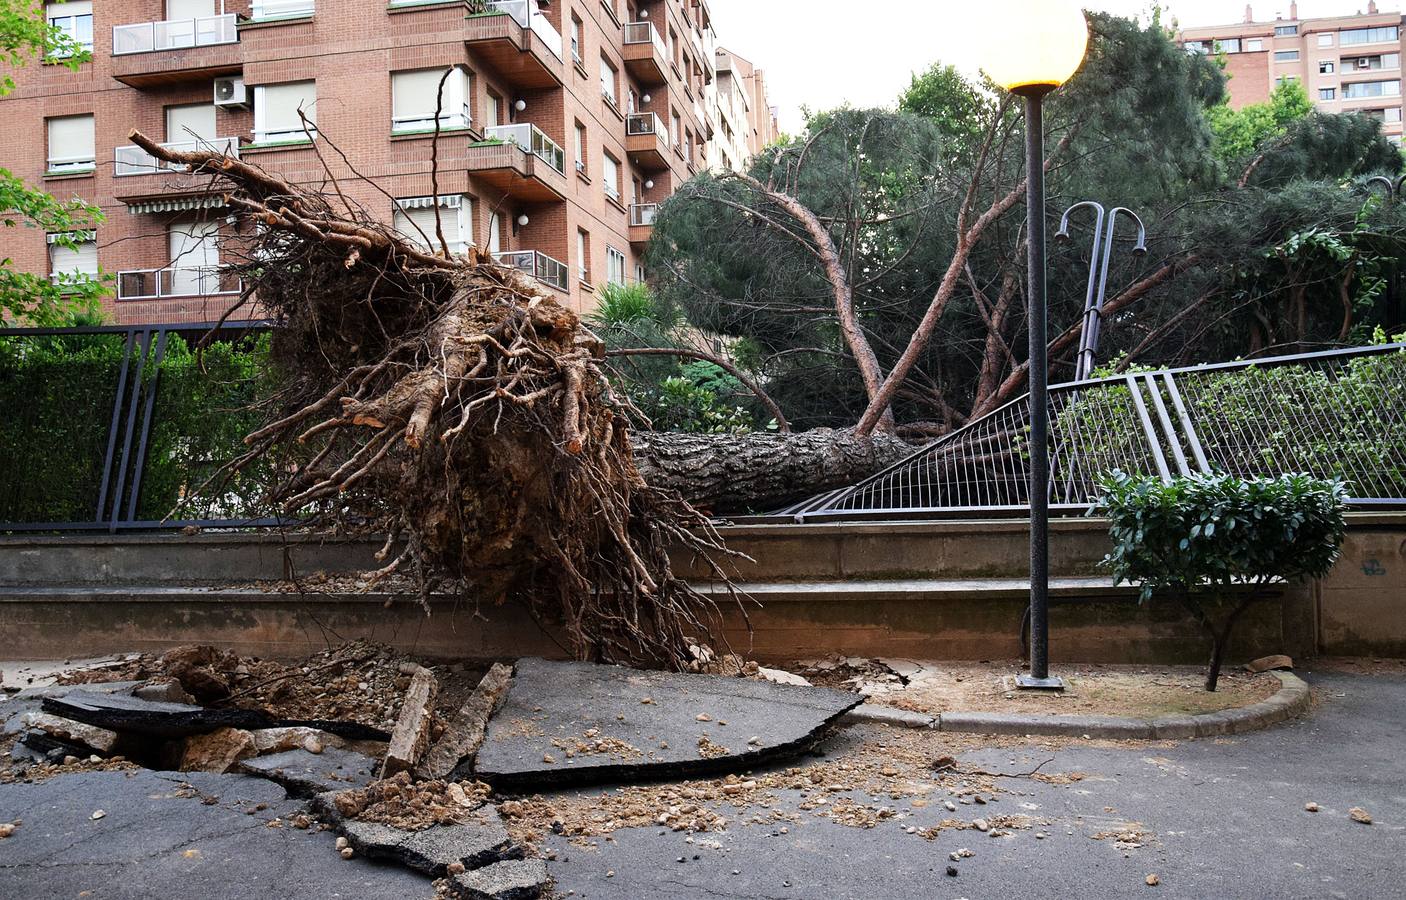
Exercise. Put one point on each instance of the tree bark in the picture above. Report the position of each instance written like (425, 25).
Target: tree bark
(760, 472)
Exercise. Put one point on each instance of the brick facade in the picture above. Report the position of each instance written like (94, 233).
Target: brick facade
(350, 48)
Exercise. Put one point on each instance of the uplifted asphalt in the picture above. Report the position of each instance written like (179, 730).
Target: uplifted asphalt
(1226, 815)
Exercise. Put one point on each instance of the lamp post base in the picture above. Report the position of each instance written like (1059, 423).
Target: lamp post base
(1030, 683)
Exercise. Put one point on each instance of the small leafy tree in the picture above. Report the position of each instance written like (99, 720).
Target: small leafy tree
(1206, 535)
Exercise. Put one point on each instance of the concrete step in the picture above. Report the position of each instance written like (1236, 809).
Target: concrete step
(921, 589)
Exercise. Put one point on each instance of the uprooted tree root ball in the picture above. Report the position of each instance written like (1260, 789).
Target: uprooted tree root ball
(450, 403)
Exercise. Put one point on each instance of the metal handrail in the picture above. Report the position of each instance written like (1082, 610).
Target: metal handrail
(177, 281)
(643, 213)
(532, 140)
(1166, 423)
(646, 33)
(175, 34)
(133, 160)
(539, 265)
(646, 123)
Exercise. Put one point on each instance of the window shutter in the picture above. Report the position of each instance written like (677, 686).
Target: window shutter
(189, 9)
(83, 261)
(454, 217)
(414, 96)
(71, 8)
(190, 123)
(71, 142)
(276, 110)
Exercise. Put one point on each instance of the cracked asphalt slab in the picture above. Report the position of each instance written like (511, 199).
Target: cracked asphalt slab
(1221, 818)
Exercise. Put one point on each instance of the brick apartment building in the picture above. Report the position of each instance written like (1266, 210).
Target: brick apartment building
(564, 124)
(1345, 63)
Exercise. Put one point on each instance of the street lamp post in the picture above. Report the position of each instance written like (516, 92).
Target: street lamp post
(1041, 45)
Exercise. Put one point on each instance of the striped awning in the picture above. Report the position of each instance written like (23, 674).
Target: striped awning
(182, 204)
(55, 236)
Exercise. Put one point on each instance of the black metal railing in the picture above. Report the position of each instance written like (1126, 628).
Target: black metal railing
(117, 427)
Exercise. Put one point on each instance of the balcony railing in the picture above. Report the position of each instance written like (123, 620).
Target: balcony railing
(177, 281)
(647, 123)
(174, 34)
(533, 140)
(526, 14)
(646, 33)
(539, 265)
(133, 160)
(643, 213)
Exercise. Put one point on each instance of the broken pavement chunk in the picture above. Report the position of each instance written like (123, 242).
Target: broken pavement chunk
(127, 714)
(517, 879)
(551, 705)
(478, 840)
(412, 729)
(99, 739)
(465, 733)
(304, 774)
(219, 751)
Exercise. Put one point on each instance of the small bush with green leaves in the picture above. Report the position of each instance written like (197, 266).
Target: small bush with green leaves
(1208, 534)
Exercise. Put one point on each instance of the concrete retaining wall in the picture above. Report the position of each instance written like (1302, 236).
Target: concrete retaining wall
(937, 590)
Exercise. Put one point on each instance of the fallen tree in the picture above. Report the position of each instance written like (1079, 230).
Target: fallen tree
(453, 403)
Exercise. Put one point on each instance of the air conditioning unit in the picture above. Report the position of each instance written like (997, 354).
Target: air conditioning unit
(231, 92)
(1364, 62)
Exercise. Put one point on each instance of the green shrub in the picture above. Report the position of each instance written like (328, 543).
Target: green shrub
(1208, 534)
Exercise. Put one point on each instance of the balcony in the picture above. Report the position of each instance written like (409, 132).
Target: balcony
(538, 265)
(177, 281)
(175, 50)
(646, 55)
(647, 141)
(133, 160)
(521, 161)
(642, 222)
(513, 38)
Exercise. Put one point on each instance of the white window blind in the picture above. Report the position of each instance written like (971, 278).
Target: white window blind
(190, 123)
(582, 267)
(580, 148)
(276, 111)
(281, 9)
(190, 9)
(415, 215)
(612, 177)
(65, 261)
(607, 80)
(71, 144)
(495, 233)
(415, 95)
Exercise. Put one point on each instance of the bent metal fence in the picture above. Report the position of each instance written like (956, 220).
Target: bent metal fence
(1338, 413)
(113, 428)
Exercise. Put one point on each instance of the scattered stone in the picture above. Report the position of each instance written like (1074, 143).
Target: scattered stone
(347, 852)
(575, 697)
(304, 774)
(1358, 814)
(1152, 880)
(780, 676)
(342, 843)
(466, 731)
(1269, 663)
(97, 814)
(981, 825)
(519, 879)
(949, 805)
(951, 871)
(1310, 806)
(219, 751)
(961, 854)
(7, 829)
(412, 730)
(277, 740)
(169, 691)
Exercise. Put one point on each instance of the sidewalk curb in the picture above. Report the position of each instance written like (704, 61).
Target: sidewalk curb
(1292, 699)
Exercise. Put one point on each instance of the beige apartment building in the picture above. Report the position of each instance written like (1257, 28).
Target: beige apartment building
(1347, 64)
(746, 120)
(564, 123)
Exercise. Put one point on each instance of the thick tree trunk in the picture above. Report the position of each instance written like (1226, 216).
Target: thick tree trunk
(728, 473)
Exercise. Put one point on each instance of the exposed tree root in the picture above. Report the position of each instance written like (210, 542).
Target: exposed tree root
(453, 402)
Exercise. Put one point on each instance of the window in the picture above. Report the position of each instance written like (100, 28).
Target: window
(1284, 78)
(1286, 30)
(1391, 114)
(1286, 55)
(1229, 45)
(1370, 35)
(583, 256)
(415, 96)
(675, 128)
(74, 19)
(415, 221)
(607, 81)
(576, 39)
(281, 9)
(71, 144)
(276, 109)
(614, 265)
(611, 176)
(194, 269)
(1254, 45)
(1383, 61)
(494, 114)
(67, 262)
(1372, 89)
(1325, 67)
(1325, 39)
(495, 233)
(1391, 60)
(580, 148)
(1196, 48)
(639, 273)
(190, 123)
(1327, 93)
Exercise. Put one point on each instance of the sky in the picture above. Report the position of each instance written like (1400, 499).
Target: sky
(821, 53)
